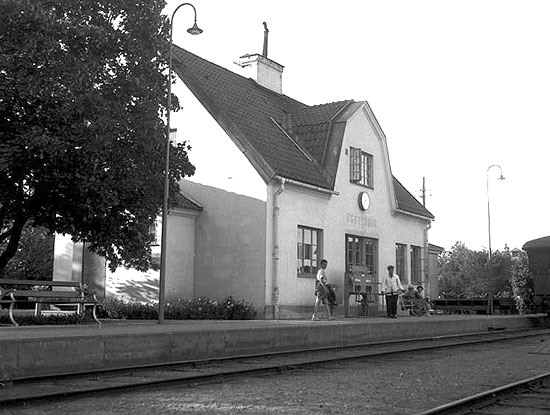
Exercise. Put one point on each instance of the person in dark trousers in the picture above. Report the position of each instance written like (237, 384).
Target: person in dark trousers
(391, 287)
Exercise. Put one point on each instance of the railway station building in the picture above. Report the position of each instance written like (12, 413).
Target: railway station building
(279, 186)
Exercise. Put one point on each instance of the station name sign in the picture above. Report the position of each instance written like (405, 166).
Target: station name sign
(361, 221)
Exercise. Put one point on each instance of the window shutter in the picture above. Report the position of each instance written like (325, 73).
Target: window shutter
(355, 164)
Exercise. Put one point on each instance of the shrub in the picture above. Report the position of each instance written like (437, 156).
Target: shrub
(114, 308)
(180, 309)
(30, 319)
(232, 309)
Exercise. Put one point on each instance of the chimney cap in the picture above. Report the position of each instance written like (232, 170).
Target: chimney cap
(255, 57)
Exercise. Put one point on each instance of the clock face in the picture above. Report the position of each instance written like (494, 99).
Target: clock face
(364, 201)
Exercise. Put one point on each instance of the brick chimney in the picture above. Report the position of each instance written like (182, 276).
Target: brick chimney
(263, 70)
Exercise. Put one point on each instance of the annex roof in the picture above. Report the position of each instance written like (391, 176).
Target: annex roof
(279, 135)
(185, 202)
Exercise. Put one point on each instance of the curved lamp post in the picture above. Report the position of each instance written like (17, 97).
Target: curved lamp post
(194, 30)
(488, 204)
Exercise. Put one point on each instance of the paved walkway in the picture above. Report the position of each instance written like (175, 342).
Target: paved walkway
(118, 327)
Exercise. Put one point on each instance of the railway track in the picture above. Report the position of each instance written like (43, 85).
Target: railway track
(530, 396)
(20, 390)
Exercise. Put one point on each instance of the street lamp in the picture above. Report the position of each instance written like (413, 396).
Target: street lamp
(194, 30)
(488, 204)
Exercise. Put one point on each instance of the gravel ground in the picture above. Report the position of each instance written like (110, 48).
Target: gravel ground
(398, 384)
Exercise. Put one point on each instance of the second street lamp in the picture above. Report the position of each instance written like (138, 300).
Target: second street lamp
(489, 206)
(194, 30)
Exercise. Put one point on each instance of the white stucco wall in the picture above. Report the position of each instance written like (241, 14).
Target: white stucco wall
(63, 258)
(229, 244)
(338, 215)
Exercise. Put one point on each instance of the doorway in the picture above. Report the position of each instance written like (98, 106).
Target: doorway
(361, 285)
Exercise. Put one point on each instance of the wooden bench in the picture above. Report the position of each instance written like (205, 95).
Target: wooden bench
(462, 305)
(505, 305)
(475, 305)
(407, 304)
(38, 293)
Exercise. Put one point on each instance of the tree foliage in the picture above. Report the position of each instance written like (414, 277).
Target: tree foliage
(34, 257)
(82, 101)
(469, 273)
(521, 280)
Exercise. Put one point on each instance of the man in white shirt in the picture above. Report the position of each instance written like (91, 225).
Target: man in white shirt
(391, 287)
(321, 291)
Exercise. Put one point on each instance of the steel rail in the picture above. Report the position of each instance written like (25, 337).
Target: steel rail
(464, 405)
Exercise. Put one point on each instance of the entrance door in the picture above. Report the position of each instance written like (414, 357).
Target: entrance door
(361, 284)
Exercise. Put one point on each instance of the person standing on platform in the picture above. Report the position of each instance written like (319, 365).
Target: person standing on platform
(391, 287)
(321, 291)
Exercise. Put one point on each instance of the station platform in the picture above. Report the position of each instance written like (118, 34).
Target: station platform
(48, 350)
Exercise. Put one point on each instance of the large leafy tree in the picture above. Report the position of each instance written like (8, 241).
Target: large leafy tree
(82, 103)
(469, 273)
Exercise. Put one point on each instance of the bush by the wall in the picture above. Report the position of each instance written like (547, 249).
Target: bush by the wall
(114, 308)
(31, 320)
(180, 309)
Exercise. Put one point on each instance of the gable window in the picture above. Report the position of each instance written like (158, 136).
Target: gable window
(309, 250)
(361, 167)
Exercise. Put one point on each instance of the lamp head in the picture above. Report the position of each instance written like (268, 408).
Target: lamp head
(195, 30)
(501, 177)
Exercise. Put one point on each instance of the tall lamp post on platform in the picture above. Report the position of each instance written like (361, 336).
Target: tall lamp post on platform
(490, 303)
(488, 204)
(194, 30)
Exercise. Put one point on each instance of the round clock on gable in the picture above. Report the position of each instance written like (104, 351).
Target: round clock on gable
(364, 201)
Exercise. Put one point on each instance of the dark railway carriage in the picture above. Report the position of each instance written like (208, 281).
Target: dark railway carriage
(538, 251)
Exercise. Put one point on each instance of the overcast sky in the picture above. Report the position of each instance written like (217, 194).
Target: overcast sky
(457, 86)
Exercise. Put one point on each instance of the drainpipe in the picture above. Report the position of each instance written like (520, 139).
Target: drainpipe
(275, 270)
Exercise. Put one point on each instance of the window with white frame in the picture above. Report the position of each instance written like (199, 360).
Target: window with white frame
(401, 262)
(362, 252)
(154, 234)
(415, 264)
(309, 250)
(361, 167)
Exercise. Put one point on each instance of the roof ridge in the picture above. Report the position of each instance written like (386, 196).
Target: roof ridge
(280, 96)
(317, 106)
(342, 101)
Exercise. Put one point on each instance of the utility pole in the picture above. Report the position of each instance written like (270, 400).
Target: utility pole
(423, 192)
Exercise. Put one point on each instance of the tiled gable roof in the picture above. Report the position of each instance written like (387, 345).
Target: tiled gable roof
(252, 115)
(311, 126)
(279, 135)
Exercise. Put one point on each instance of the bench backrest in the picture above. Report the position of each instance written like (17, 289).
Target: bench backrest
(27, 294)
(9, 281)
